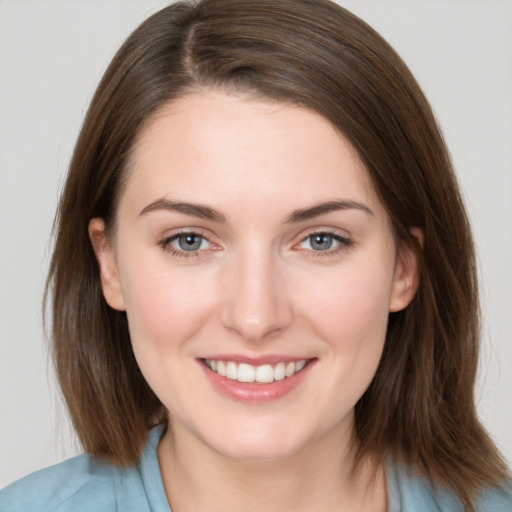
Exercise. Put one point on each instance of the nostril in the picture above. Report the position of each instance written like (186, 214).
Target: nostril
(256, 304)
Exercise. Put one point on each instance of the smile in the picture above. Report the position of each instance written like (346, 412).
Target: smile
(263, 374)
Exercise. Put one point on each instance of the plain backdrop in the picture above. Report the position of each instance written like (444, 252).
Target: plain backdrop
(52, 54)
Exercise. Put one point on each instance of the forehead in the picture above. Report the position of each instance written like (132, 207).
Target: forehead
(214, 147)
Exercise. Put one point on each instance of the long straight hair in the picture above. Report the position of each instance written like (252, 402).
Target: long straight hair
(419, 409)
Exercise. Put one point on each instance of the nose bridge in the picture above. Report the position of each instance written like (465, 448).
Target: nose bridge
(256, 303)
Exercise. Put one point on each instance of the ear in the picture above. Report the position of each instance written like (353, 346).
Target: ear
(407, 274)
(109, 276)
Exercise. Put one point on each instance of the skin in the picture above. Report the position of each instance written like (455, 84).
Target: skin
(255, 287)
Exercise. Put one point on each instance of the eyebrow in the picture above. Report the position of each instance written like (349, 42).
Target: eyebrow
(195, 210)
(208, 213)
(324, 208)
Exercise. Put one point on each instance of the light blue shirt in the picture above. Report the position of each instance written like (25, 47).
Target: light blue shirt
(83, 484)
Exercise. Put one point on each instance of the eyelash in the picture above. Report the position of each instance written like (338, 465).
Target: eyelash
(344, 243)
(166, 245)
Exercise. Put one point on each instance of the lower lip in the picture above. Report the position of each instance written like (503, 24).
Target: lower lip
(253, 392)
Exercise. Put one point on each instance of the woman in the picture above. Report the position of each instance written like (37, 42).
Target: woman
(263, 284)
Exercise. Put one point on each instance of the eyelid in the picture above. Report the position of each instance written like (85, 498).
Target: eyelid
(335, 233)
(344, 242)
(186, 230)
(165, 242)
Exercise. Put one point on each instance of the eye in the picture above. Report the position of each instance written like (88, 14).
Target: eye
(189, 242)
(319, 242)
(183, 243)
(324, 242)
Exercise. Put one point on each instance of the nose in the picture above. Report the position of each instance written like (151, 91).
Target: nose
(256, 304)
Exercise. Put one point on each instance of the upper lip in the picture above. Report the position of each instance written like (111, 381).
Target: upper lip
(257, 360)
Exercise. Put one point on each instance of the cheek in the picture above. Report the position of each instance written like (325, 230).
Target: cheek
(165, 306)
(350, 311)
(351, 317)
(166, 309)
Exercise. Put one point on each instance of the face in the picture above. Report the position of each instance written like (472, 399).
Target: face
(257, 269)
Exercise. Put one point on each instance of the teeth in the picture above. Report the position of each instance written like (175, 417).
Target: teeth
(232, 371)
(279, 372)
(263, 374)
(221, 368)
(246, 373)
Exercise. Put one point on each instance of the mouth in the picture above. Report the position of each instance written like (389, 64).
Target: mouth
(261, 374)
(256, 381)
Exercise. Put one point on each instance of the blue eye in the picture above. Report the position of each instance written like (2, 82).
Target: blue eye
(325, 242)
(184, 244)
(189, 241)
(321, 242)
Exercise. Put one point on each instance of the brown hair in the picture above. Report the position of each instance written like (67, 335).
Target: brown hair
(419, 408)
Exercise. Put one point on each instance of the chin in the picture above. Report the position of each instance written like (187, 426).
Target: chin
(259, 451)
(259, 443)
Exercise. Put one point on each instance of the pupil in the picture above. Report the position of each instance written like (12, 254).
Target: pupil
(189, 242)
(321, 242)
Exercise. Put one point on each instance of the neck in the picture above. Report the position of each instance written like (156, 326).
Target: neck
(320, 477)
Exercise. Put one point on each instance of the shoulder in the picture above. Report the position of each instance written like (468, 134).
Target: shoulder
(85, 484)
(496, 500)
(80, 483)
(409, 492)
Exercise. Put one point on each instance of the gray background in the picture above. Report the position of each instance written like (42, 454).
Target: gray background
(52, 54)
